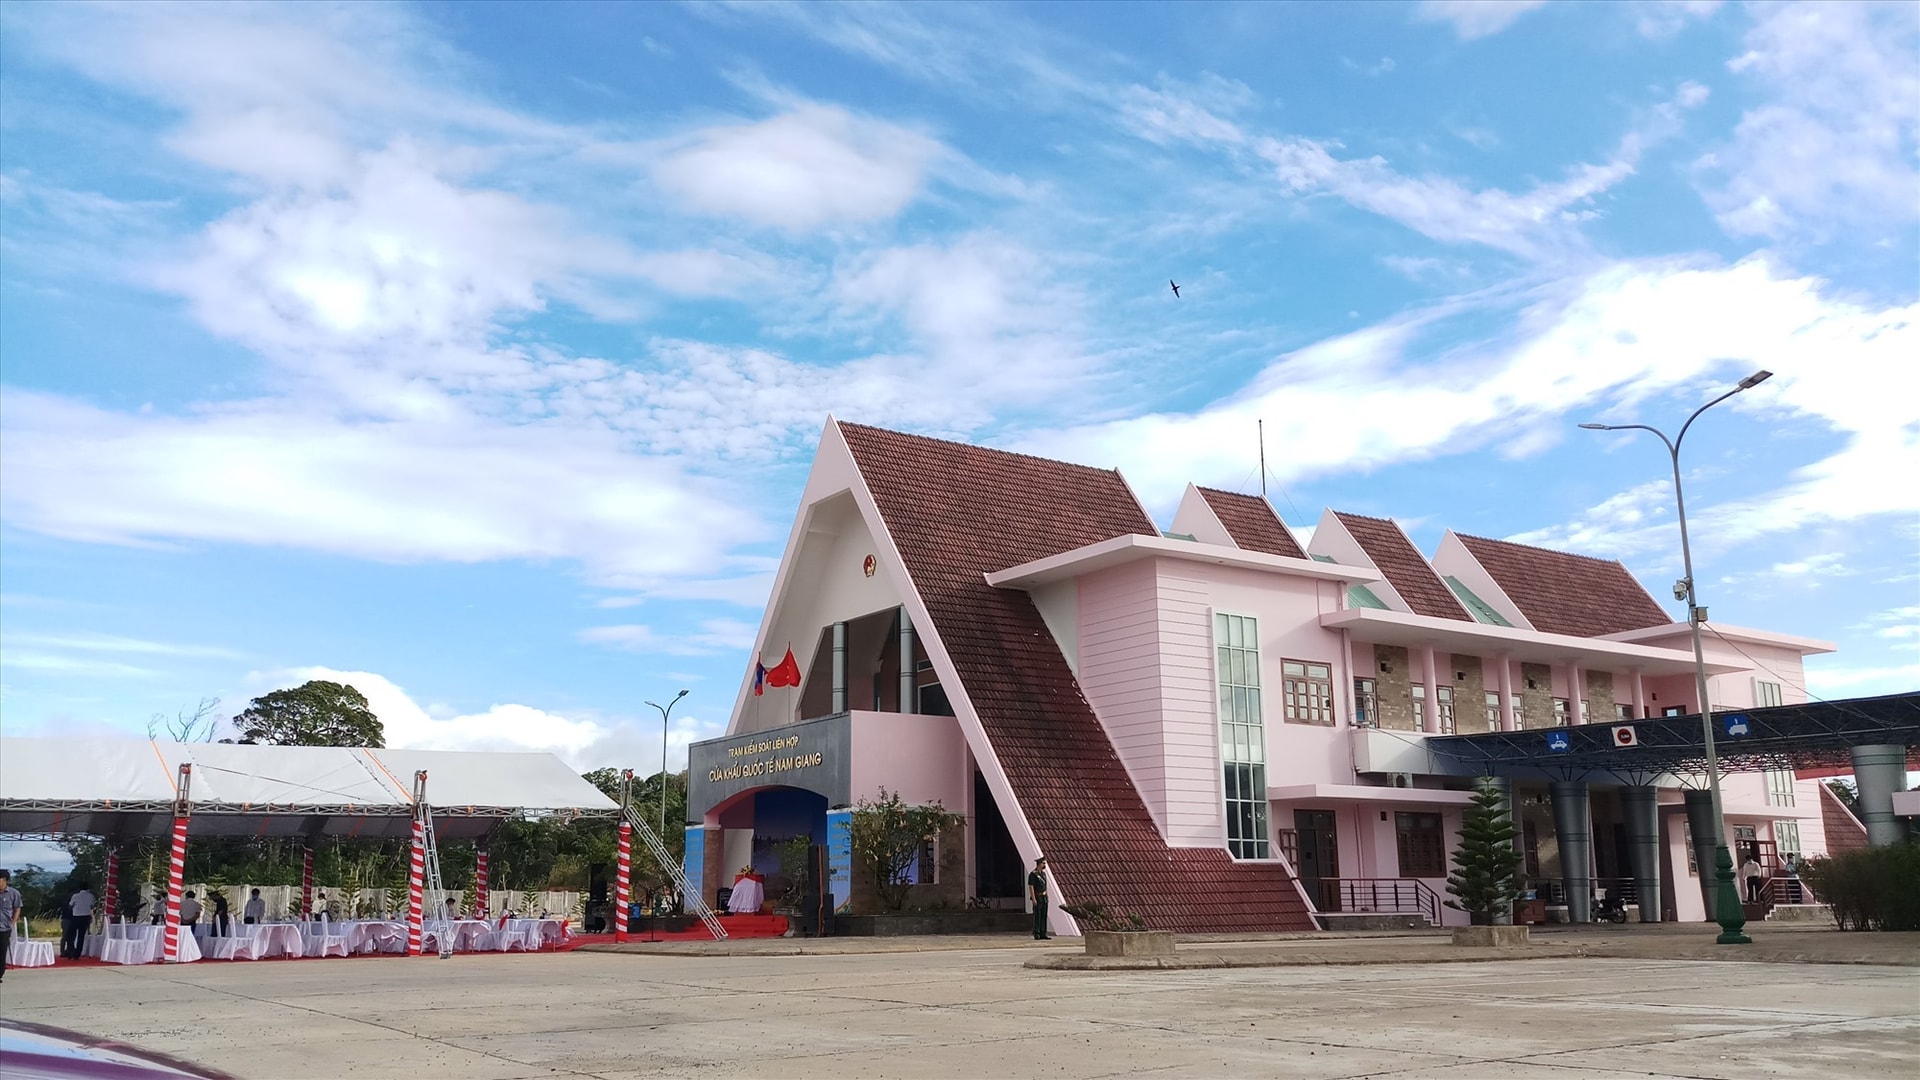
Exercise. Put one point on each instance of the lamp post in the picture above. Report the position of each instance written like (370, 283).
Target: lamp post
(665, 712)
(1730, 915)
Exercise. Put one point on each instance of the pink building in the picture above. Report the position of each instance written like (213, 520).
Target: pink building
(1211, 726)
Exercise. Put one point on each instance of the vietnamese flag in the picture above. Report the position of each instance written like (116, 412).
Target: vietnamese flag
(786, 672)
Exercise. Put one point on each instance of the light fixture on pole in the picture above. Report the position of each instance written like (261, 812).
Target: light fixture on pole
(1727, 910)
(666, 711)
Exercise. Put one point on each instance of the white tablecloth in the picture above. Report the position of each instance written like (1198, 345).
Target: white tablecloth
(540, 932)
(139, 943)
(747, 897)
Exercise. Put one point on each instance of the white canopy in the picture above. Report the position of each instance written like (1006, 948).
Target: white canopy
(127, 788)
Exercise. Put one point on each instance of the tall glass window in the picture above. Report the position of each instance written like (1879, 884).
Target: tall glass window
(1493, 710)
(1243, 736)
(1446, 710)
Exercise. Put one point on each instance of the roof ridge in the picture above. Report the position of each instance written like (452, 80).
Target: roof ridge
(974, 446)
(1537, 547)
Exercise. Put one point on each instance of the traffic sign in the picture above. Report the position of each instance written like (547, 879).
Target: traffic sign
(1559, 742)
(1623, 737)
(1736, 724)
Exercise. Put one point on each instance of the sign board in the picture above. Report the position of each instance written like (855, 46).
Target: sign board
(814, 755)
(1736, 725)
(1624, 737)
(1559, 742)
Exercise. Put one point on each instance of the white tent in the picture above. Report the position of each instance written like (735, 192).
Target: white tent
(126, 788)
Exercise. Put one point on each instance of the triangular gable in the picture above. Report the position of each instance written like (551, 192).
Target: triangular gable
(1249, 521)
(1563, 593)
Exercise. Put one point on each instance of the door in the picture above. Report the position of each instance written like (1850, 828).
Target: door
(1319, 859)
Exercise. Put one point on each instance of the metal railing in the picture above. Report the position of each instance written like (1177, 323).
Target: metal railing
(1391, 896)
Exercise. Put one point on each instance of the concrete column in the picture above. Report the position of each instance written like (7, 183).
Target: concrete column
(1641, 807)
(909, 678)
(1576, 693)
(1706, 836)
(1573, 828)
(839, 667)
(1639, 696)
(1430, 713)
(1509, 708)
(1878, 772)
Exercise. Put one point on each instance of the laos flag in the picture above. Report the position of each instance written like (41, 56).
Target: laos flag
(759, 678)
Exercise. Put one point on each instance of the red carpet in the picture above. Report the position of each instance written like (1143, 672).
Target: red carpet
(737, 926)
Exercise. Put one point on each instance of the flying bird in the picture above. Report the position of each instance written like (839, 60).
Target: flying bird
(1175, 288)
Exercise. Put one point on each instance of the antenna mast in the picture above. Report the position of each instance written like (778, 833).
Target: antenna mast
(1261, 427)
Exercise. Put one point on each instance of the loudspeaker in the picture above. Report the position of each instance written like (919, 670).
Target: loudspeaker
(597, 883)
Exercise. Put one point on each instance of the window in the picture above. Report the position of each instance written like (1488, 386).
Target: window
(1767, 693)
(1559, 712)
(926, 865)
(1779, 787)
(1422, 850)
(1366, 702)
(1418, 693)
(1586, 711)
(1786, 837)
(1309, 692)
(1446, 710)
(1493, 710)
(1622, 712)
(1243, 738)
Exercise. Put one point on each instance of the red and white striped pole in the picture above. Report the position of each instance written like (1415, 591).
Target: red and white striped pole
(113, 884)
(177, 870)
(622, 885)
(306, 881)
(416, 888)
(480, 881)
(623, 866)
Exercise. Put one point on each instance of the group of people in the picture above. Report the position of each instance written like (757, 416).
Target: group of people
(1755, 876)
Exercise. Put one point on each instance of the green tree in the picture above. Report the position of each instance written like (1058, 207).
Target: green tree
(1486, 878)
(887, 836)
(318, 713)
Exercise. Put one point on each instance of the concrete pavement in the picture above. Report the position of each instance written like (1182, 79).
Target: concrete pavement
(978, 1012)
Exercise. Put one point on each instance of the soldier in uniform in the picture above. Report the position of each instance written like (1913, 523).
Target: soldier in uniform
(1037, 893)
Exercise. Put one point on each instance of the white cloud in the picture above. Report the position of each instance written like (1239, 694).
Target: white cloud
(113, 643)
(584, 742)
(712, 636)
(1846, 682)
(1836, 145)
(1377, 396)
(810, 167)
(1660, 19)
(454, 487)
(1473, 19)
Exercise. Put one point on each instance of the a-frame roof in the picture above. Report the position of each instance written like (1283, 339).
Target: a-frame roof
(957, 512)
(1252, 522)
(1563, 593)
(1403, 566)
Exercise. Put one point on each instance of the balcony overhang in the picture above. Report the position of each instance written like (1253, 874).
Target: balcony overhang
(1133, 547)
(1368, 793)
(1530, 646)
(1803, 645)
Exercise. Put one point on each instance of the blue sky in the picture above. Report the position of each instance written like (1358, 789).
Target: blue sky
(475, 353)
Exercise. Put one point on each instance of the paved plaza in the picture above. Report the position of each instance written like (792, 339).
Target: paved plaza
(980, 1013)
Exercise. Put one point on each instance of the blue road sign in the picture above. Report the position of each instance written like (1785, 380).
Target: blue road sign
(1559, 742)
(1736, 725)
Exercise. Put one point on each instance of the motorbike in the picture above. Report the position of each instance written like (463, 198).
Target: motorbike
(1609, 909)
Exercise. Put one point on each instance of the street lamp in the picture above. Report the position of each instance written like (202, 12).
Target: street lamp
(1730, 915)
(665, 711)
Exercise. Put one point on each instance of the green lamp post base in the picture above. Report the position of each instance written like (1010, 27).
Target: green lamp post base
(1732, 917)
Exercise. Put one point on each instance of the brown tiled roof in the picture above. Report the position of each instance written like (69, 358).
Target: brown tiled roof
(957, 512)
(1403, 566)
(1252, 523)
(1844, 831)
(1563, 593)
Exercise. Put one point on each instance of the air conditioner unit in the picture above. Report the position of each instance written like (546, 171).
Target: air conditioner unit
(1400, 779)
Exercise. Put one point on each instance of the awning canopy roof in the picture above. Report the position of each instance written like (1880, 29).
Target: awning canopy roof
(1808, 735)
(127, 788)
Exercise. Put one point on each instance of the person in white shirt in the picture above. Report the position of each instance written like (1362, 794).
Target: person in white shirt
(1750, 871)
(256, 909)
(79, 915)
(189, 911)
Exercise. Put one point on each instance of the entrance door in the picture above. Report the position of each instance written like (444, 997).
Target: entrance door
(1319, 858)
